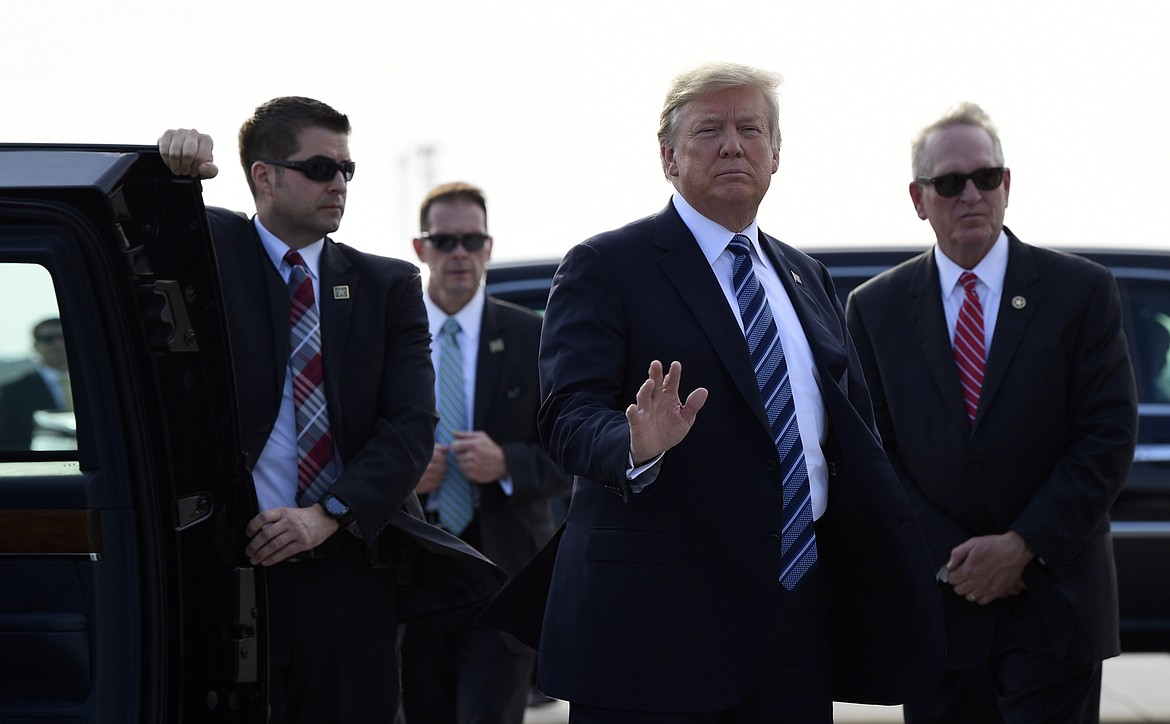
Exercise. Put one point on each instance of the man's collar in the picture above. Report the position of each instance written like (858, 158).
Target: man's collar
(276, 249)
(712, 236)
(990, 270)
(470, 317)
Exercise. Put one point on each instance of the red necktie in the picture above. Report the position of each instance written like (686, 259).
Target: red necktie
(314, 441)
(969, 345)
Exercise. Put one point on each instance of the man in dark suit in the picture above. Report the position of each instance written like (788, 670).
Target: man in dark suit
(679, 593)
(1004, 396)
(487, 459)
(44, 388)
(335, 386)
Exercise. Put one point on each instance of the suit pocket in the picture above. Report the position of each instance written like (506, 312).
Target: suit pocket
(635, 546)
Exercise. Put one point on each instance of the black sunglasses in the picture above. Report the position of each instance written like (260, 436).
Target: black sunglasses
(952, 184)
(473, 241)
(50, 337)
(317, 168)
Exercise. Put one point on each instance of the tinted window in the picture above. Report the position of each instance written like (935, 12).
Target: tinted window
(1148, 327)
(36, 398)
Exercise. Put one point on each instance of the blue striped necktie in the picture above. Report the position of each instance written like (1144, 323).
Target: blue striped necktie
(456, 503)
(798, 550)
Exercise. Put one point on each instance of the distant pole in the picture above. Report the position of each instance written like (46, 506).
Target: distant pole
(427, 154)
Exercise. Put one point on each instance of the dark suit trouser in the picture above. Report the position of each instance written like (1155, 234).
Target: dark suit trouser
(332, 636)
(794, 684)
(455, 671)
(1022, 681)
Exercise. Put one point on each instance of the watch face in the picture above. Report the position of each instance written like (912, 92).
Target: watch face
(335, 507)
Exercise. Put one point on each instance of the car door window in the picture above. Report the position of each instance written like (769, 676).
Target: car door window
(36, 394)
(1149, 332)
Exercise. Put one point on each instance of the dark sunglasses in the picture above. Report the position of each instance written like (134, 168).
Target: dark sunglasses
(46, 338)
(952, 184)
(317, 168)
(473, 241)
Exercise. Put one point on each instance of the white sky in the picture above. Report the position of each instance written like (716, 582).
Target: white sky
(552, 107)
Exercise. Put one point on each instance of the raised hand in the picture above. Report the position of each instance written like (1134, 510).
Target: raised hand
(658, 419)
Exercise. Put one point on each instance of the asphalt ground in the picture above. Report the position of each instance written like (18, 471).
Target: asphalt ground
(1134, 688)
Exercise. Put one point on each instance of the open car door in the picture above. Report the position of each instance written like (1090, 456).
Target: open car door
(125, 595)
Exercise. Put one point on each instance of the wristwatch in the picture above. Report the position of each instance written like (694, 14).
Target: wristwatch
(336, 509)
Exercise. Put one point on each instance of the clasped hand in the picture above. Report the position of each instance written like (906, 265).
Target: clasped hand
(986, 568)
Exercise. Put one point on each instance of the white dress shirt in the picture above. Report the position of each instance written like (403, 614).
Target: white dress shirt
(810, 408)
(470, 319)
(990, 272)
(275, 473)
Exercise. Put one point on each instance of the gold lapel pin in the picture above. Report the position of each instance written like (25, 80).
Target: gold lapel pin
(1019, 302)
(341, 291)
(495, 346)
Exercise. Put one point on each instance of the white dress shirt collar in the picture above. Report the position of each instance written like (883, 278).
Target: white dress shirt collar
(713, 237)
(990, 270)
(470, 317)
(276, 249)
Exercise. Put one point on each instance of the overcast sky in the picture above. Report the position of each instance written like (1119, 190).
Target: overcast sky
(552, 107)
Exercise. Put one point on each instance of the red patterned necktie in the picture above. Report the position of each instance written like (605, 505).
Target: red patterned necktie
(969, 345)
(314, 441)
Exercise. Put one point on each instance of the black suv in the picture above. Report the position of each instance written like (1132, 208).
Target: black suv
(1141, 515)
(125, 595)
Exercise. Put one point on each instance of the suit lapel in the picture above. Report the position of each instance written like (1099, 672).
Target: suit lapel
(925, 313)
(828, 352)
(1017, 306)
(489, 363)
(278, 309)
(687, 269)
(339, 288)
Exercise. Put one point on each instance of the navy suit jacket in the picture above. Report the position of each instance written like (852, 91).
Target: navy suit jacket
(656, 600)
(379, 384)
(19, 399)
(1052, 443)
(513, 528)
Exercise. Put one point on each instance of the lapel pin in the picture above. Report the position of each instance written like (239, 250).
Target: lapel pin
(495, 346)
(796, 278)
(1019, 302)
(341, 291)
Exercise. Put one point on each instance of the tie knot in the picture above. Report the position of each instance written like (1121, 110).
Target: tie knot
(293, 258)
(450, 327)
(968, 280)
(739, 245)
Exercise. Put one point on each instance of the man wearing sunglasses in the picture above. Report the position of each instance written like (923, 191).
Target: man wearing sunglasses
(489, 480)
(336, 404)
(44, 388)
(1005, 399)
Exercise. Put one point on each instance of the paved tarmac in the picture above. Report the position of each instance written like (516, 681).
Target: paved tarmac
(1134, 688)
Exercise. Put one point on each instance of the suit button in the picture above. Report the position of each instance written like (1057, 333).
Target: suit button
(770, 465)
(773, 539)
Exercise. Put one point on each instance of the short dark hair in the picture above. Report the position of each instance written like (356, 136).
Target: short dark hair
(39, 328)
(273, 130)
(453, 191)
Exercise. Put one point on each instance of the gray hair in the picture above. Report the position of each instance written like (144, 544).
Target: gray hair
(964, 114)
(711, 77)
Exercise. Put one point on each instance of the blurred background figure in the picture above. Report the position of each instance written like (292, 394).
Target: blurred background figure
(36, 410)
